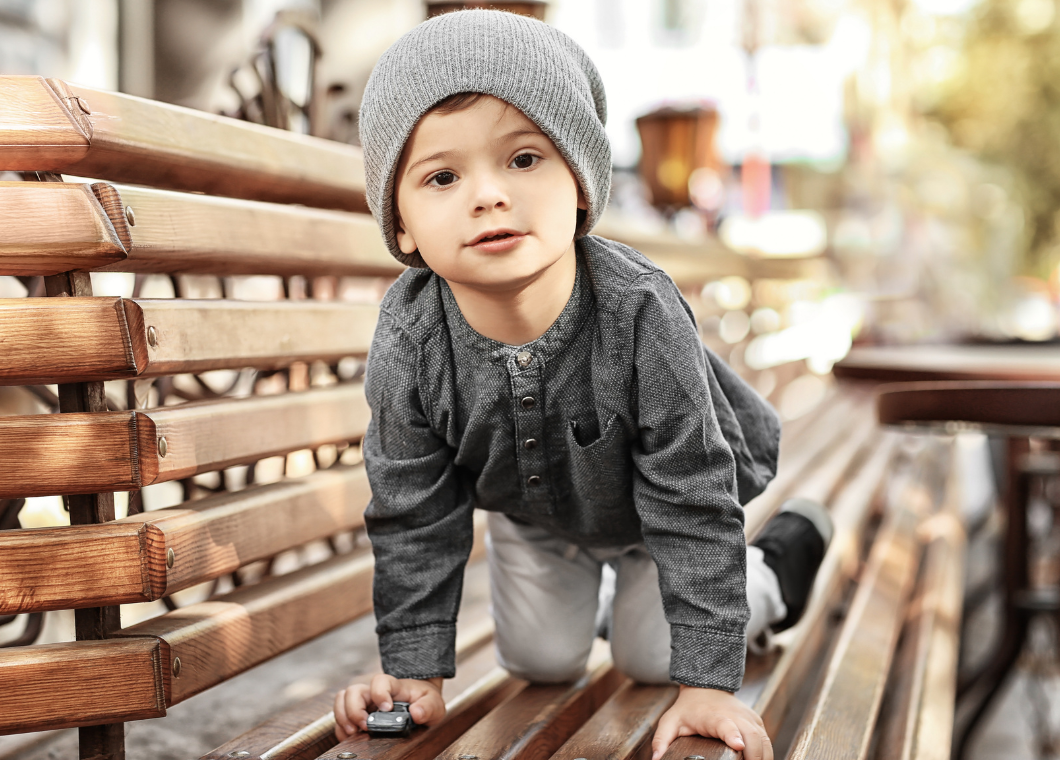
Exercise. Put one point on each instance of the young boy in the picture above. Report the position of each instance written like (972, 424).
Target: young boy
(558, 381)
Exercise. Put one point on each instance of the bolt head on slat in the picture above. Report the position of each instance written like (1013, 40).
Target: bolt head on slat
(163, 447)
(152, 336)
(176, 667)
(130, 217)
(694, 757)
(346, 755)
(239, 753)
(171, 558)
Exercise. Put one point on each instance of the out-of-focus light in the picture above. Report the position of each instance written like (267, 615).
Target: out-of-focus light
(850, 43)
(1035, 16)
(43, 512)
(765, 320)
(707, 189)
(734, 326)
(823, 339)
(946, 7)
(1033, 318)
(776, 233)
(730, 293)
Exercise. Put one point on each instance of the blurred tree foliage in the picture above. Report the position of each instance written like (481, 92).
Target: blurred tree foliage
(1002, 103)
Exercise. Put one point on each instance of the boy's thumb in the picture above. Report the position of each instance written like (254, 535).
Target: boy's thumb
(664, 736)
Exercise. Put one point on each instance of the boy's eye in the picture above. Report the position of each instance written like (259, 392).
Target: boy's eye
(524, 160)
(441, 179)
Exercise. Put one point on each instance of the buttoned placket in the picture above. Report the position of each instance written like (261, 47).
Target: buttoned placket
(528, 404)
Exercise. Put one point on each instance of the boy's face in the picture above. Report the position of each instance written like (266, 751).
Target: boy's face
(485, 197)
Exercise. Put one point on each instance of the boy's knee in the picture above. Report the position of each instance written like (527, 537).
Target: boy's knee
(543, 664)
(643, 665)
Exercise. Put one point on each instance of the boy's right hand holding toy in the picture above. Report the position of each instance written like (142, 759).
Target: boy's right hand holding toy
(353, 703)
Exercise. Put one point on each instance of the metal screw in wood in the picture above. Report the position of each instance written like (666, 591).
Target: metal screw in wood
(163, 447)
(171, 558)
(176, 667)
(130, 217)
(694, 757)
(152, 336)
(468, 757)
(346, 755)
(239, 753)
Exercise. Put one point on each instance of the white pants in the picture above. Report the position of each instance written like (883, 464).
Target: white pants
(548, 602)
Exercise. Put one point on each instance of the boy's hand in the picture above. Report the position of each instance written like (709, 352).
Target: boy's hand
(353, 703)
(710, 712)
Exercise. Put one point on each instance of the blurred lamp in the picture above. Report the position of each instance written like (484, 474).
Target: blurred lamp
(675, 143)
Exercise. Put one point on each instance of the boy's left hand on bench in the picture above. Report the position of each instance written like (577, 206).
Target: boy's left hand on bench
(353, 703)
(711, 712)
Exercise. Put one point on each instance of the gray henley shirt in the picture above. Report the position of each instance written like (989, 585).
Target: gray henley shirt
(617, 426)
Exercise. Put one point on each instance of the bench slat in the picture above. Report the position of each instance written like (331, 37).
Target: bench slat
(841, 720)
(128, 139)
(52, 227)
(622, 729)
(61, 685)
(538, 720)
(42, 455)
(64, 340)
(126, 561)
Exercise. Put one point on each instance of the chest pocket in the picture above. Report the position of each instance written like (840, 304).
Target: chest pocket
(601, 467)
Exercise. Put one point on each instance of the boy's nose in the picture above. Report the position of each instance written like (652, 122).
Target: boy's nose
(489, 195)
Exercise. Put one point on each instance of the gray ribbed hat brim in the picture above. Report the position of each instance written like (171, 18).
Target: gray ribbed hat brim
(522, 61)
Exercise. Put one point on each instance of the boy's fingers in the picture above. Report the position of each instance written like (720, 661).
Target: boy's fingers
(730, 733)
(664, 735)
(428, 709)
(355, 701)
(383, 690)
(754, 746)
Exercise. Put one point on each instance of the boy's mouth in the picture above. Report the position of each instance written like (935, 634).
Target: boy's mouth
(494, 235)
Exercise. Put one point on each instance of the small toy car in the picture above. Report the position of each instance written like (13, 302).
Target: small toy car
(397, 722)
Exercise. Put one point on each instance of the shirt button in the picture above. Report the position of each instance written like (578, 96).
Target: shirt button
(533, 480)
(528, 402)
(524, 358)
(530, 443)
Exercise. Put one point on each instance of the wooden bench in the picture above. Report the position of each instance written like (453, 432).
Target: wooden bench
(220, 201)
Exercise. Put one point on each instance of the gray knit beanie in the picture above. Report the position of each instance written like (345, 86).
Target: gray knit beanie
(522, 61)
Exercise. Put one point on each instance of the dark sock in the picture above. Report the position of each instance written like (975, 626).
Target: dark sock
(793, 549)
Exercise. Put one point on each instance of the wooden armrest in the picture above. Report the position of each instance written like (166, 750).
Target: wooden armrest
(1021, 408)
(50, 125)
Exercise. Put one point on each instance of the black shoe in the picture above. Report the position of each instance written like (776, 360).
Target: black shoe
(793, 544)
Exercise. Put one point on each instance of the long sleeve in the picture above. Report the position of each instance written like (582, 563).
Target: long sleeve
(421, 530)
(686, 493)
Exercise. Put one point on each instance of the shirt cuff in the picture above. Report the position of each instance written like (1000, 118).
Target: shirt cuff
(708, 659)
(427, 651)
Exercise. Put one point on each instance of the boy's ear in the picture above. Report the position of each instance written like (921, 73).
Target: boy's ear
(405, 241)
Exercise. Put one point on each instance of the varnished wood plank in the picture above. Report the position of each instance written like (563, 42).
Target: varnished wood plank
(63, 340)
(212, 435)
(537, 721)
(622, 728)
(79, 684)
(220, 638)
(37, 129)
(76, 453)
(76, 566)
(461, 714)
(181, 232)
(52, 227)
(840, 722)
(127, 561)
(914, 363)
(149, 143)
(1031, 407)
(194, 336)
(307, 729)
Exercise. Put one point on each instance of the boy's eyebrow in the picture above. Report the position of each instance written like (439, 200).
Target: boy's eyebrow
(425, 159)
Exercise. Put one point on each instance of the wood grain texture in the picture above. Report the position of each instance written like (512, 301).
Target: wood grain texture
(52, 227)
(841, 719)
(537, 721)
(461, 714)
(149, 143)
(37, 130)
(64, 340)
(622, 728)
(125, 561)
(181, 232)
(76, 453)
(195, 336)
(76, 566)
(220, 638)
(1005, 406)
(212, 435)
(63, 685)
(912, 363)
